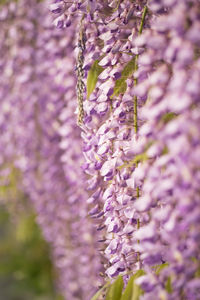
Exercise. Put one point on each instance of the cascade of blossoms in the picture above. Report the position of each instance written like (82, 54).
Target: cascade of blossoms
(41, 93)
(7, 120)
(108, 122)
(141, 176)
(121, 191)
(169, 205)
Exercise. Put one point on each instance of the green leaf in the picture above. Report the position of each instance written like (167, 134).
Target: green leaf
(159, 268)
(132, 290)
(92, 77)
(168, 285)
(2, 2)
(120, 87)
(137, 291)
(128, 291)
(165, 150)
(197, 273)
(115, 290)
(120, 84)
(99, 292)
(168, 117)
(138, 158)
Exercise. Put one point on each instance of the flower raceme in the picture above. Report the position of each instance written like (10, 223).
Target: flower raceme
(35, 101)
(141, 120)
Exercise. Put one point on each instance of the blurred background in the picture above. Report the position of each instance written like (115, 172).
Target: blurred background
(26, 271)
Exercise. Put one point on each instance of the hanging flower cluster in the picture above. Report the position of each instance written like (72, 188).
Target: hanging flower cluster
(38, 99)
(117, 190)
(141, 138)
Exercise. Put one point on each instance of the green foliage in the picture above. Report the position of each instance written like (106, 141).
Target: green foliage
(197, 262)
(138, 158)
(100, 292)
(9, 189)
(120, 84)
(92, 77)
(142, 157)
(168, 285)
(120, 87)
(137, 291)
(133, 291)
(159, 268)
(3, 2)
(197, 273)
(165, 150)
(115, 290)
(25, 268)
(128, 291)
(26, 271)
(168, 117)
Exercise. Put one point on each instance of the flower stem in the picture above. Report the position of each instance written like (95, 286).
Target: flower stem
(135, 115)
(143, 18)
(135, 69)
